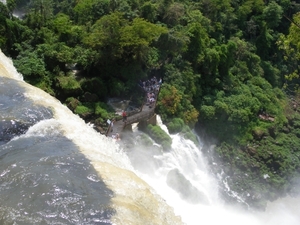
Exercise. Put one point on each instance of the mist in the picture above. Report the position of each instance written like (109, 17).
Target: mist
(193, 190)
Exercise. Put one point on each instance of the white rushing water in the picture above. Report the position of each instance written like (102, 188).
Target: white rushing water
(149, 185)
(134, 201)
(186, 157)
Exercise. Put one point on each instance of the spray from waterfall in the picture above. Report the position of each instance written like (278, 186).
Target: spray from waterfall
(182, 177)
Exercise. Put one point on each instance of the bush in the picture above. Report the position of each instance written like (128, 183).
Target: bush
(95, 85)
(69, 85)
(100, 110)
(191, 137)
(207, 112)
(83, 111)
(145, 140)
(259, 133)
(175, 126)
(72, 103)
(160, 136)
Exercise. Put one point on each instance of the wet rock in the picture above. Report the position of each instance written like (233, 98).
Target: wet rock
(72, 103)
(99, 129)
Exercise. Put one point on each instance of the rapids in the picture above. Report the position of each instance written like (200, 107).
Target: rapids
(56, 169)
(201, 204)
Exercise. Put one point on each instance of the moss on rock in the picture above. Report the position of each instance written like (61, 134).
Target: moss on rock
(160, 136)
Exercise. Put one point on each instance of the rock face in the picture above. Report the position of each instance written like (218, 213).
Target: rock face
(185, 188)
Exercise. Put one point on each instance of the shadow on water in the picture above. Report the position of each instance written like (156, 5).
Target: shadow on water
(45, 180)
(14, 120)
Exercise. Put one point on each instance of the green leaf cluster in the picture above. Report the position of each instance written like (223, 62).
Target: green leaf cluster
(159, 136)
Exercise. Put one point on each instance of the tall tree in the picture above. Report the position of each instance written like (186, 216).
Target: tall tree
(290, 44)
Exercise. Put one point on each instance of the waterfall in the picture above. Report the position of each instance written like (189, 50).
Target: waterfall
(56, 169)
(193, 191)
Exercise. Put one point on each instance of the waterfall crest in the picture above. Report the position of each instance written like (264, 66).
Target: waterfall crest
(61, 170)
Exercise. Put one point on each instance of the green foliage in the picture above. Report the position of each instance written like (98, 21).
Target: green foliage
(272, 14)
(239, 111)
(105, 34)
(72, 103)
(94, 85)
(117, 88)
(290, 46)
(264, 41)
(149, 11)
(180, 74)
(171, 104)
(41, 11)
(145, 140)
(85, 57)
(175, 125)
(83, 110)
(101, 110)
(152, 60)
(18, 34)
(136, 37)
(160, 136)
(66, 32)
(3, 10)
(30, 64)
(198, 43)
(57, 54)
(128, 39)
(173, 14)
(259, 161)
(271, 73)
(189, 134)
(87, 11)
(69, 85)
(174, 42)
(207, 112)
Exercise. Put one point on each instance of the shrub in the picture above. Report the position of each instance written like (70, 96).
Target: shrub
(145, 140)
(72, 103)
(95, 85)
(69, 85)
(207, 112)
(175, 126)
(83, 111)
(259, 132)
(191, 136)
(100, 110)
(160, 136)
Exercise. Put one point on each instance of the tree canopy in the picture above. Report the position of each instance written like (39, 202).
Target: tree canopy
(229, 68)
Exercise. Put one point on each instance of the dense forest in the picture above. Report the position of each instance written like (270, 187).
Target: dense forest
(229, 70)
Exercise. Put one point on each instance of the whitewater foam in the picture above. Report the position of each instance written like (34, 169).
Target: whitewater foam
(134, 201)
(7, 68)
